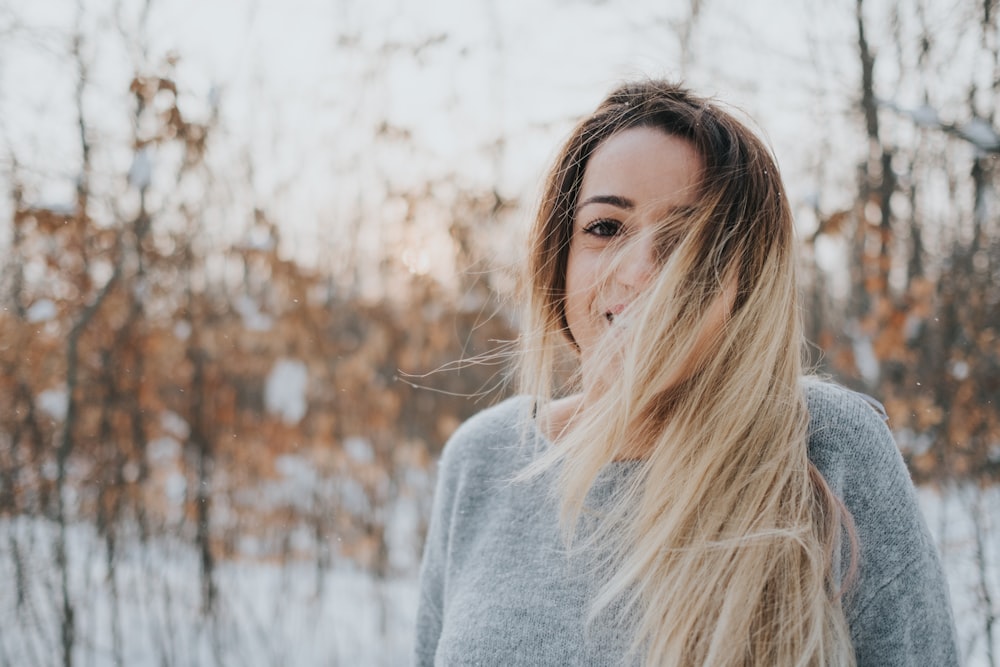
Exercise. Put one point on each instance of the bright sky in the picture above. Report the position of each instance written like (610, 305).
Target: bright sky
(486, 89)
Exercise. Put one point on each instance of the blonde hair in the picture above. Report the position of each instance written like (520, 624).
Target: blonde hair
(721, 546)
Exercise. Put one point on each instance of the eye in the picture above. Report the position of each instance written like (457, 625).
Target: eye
(604, 228)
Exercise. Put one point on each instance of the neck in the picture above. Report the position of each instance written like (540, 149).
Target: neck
(559, 417)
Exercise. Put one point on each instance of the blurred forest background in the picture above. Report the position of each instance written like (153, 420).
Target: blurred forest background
(249, 247)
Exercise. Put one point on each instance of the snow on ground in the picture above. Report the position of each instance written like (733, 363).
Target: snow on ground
(268, 613)
(275, 612)
(972, 564)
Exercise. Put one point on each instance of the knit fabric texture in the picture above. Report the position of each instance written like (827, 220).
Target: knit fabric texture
(497, 586)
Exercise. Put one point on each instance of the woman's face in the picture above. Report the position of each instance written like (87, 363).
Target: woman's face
(631, 182)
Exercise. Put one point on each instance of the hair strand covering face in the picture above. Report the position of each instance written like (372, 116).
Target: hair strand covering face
(722, 546)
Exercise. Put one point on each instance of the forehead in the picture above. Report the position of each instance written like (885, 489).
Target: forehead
(645, 165)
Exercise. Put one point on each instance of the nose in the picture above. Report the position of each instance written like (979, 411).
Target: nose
(637, 262)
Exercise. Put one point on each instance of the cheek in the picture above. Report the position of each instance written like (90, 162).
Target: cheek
(582, 268)
(580, 290)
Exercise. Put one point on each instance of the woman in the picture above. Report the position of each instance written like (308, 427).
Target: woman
(688, 497)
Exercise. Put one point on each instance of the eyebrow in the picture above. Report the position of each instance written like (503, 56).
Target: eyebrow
(614, 200)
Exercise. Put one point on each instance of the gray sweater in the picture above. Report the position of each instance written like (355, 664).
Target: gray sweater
(498, 588)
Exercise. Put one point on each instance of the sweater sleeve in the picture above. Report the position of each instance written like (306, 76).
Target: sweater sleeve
(899, 609)
(430, 604)
(474, 462)
(908, 621)
(902, 612)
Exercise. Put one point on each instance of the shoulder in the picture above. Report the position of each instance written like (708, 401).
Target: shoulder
(852, 447)
(834, 409)
(488, 438)
(849, 434)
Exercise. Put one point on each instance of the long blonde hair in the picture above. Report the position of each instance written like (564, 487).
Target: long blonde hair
(721, 546)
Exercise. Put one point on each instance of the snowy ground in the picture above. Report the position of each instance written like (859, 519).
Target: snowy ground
(972, 564)
(267, 614)
(292, 613)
